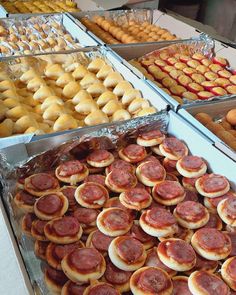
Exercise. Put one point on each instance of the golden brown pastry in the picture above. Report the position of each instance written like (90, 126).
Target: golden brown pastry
(80, 96)
(113, 79)
(88, 80)
(86, 106)
(6, 128)
(54, 71)
(42, 93)
(51, 100)
(105, 97)
(53, 112)
(95, 118)
(96, 64)
(80, 72)
(122, 87)
(130, 95)
(64, 79)
(65, 122)
(71, 89)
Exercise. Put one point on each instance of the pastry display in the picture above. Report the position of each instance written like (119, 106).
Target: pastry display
(34, 35)
(45, 94)
(101, 227)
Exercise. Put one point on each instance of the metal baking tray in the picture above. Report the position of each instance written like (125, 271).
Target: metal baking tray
(171, 122)
(216, 109)
(155, 99)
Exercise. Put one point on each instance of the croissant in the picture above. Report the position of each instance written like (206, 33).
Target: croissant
(96, 64)
(88, 80)
(6, 128)
(80, 72)
(121, 115)
(86, 106)
(16, 112)
(106, 97)
(104, 72)
(71, 89)
(54, 71)
(65, 122)
(122, 87)
(42, 93)
(96, 89)
(130, 95)
(34, 84)
(80, 96)
(53, 112)
(24, 123)
(137, 105)
(112, 80)
(51, 100)
(95, 118)
(64, 79)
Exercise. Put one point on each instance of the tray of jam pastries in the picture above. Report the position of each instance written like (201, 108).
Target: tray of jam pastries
(49, 93)
(127, 209)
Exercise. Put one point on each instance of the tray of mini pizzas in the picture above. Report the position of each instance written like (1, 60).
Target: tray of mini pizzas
(49, 93)
(137, 207)
(27, 34)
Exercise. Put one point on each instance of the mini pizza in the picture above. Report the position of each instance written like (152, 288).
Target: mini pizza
(63, 230)
(227, 210)
(100, 158)
(191, 196)
(204, 264)
(173, 148)
(228, 272)
(120, 165)
(168, 192)
(25, 201)
(218, 91)
(93, 170)
(232, 236)
(212, 185)
(214, 222)
(171, 176)
(71, 288)
(133, 153)
(189, 71)
(87, 218)
(20, 183)
(142, 281)
(101, 288)
(170, 166)
(51, 206)
(150, 138)
(191, 166)
(176, 254)
(189, 183)
(26, 223)
(158, 222)
(127, 253)
(71, 172)
(40, 248)
(136, 199)
(83, 264)
(211, 243)
(180, 286)
(91, 195)
(54, 279)
(203, 282)
(99, 241)
(41, 184)
(120, 180)
(37, 230)
(150, 173)
(212, 203)
(191, 214)
(182, 233)
(154, 261)
(115, 202)
(69, 193)
(97, 178)
(116, 277)
(114, 222)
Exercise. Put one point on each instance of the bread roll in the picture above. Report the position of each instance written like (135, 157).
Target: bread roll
(16, 112)
(42, 93)
(28, 75)
(71, 89)
(96, 89)
(130, 95)
(6, 128)
(104, 72)
(111, 107)
(146, 111)
(122, 87)
(112, 80)
(137, 105)
(80, 72)
(88, 80)
(53, 112)
(24, 123)
(86, 106)
(54, 71)
(106, 97)
(9, 103)
(80, 96)
(65, 122)
(34, 84)
(64, 79)
(51, 100)
(95, 118)
(6, 84)
(121, 115)
(96, 64)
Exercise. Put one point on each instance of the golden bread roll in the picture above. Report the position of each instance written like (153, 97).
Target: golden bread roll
(86, 106)
(137, 105)
(6, 128)
(65, 122)
(122, 87)
(80, 96)
(34, 84)
(121, 115)
(71, 89)
(29, 100)
(51, 100)
(43, 92)
(64, 79)
(3, 76)
(111, 107)
(80, 72)
(6, 84)
(34, 130)
(130, 95)
(10, 93)
(88, 80)
(9, 103)
(146, 111)
(53, 112)
(112, 80)
(16, 112)
(24, 123)
(96, 89)
(104, 72)
(28, 75)
(96, 64)
(105, 97)
(95, 118)
(54, 71)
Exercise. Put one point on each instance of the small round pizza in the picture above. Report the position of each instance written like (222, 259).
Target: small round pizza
(127, 253)
(191, 214)
(20, 183)
(173, 149)
(100, 158)
(204, 264)
(87, 218)
(101, 289)
(214, 222)
(136, 199)
(71, 172)
(99, 241)
(118, 278)
(54, 279)
(180, 286)
(91, 195)
(191, 166)
(228, 272)
(212, 203)
(151, 280)
(211, 243)
(171, 176)
(133, 153)
(26, 223)
(50, 206)
(83, 265)
(63, 230)
(150, 173)
(227, 211)
(114, 222)
(150, 138)
(71, 288)
(168, 193)
(40, 248)
(55, 253)
(170, 166)
(232, 236)
(69, 193)
(140, 235)
(25, 201)
(203, 282)
(156, 150)
(182, 233)
(120, 165)
(189, 183)
(191, 196)
(120, 180)
(97, 178)
(176, 254)
(158, 222)
(41, 184)
(115, 202)
(154, 261)
(212, 185)
(37, 230)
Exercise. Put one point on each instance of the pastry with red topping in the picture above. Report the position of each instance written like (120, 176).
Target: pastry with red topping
(100, 158)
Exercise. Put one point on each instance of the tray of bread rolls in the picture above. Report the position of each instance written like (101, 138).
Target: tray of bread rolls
(81, 228)
(123, 26)
(217, 120)
(13, 7)
(48, 93)
(29, 34)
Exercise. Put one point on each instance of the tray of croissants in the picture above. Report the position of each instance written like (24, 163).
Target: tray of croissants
(128, 210)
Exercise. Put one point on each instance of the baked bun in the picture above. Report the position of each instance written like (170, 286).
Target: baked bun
(63, 230)
(136, 199)
(212, 185)
(227, 210)
(228, 272)
(83, 265)
(127, 253)
(100, 158)
(25, 201)
(114, 222)
(173, 149)
(40, 248)
(133, 153)
(50, 206)
(141, 282)
(120, 180)
(176, 254)
(191, 166)
(158, 222)
(101, 288)
(54, 279)
(211, 243)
